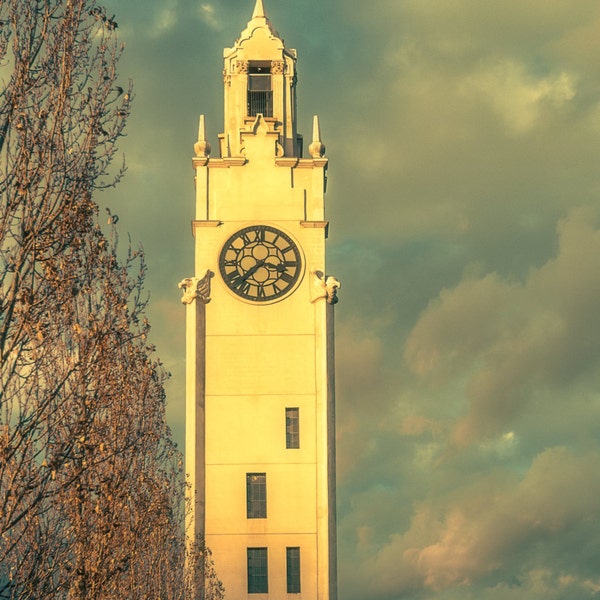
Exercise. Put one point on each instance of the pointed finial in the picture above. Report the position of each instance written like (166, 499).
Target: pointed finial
(202, 147)
(259, 10)
(317, 148)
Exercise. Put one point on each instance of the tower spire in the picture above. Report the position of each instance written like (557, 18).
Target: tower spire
(259, 10)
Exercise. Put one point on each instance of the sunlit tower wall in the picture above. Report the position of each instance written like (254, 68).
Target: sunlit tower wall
(260, 417)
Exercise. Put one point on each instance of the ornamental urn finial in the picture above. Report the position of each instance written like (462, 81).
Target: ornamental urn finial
(316, 148)
(202, 147)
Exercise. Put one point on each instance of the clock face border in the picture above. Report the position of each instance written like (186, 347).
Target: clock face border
(261, 264)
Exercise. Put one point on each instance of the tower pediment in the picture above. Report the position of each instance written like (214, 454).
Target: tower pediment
(255, 30)
(260, 43)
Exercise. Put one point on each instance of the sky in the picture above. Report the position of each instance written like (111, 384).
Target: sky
(463, 196)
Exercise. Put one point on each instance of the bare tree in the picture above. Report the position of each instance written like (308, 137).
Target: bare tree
(90, 483)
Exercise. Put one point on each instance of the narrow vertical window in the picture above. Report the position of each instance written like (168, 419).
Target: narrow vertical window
(256, 495)
(293, 570)
(292, 428)
(260, 94)
(258, 571)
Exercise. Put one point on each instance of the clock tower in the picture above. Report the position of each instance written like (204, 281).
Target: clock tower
(260, 416)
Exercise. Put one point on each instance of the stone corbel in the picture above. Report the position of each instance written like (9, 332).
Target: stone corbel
(323, 286)
(196, 288)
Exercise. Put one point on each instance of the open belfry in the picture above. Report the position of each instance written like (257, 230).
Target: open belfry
(260, 417)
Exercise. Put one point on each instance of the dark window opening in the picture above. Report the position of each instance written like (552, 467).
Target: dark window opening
(293, 570)
(292, 428)
(258, 573)
(262, 67)
(260, 94)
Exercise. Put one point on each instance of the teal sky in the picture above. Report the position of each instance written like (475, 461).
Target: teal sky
(464, 186)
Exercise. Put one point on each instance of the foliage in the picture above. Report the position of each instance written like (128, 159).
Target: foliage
(91, 490)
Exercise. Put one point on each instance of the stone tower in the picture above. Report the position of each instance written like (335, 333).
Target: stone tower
(260, 417)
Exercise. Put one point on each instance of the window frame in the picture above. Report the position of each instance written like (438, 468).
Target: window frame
(293, 570)
(259, 93)
(256, 495)
(292, 428)
(258, 570)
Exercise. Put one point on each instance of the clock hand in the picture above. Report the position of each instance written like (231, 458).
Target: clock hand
(252, 270)
(280, 268)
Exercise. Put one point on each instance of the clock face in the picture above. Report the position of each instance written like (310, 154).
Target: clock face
(260, 263)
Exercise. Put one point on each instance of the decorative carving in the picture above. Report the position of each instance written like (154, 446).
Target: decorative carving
(324, 287)
(196, 288)
(242, 66)
(278, 67)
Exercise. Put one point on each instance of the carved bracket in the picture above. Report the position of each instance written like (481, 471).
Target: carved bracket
(242, 66)
(323, 286)
(196, 288)
(278, 67)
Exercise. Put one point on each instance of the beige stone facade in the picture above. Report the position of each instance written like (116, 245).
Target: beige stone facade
(260, 338)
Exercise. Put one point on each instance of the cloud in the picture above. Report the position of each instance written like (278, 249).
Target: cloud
(165, 20)
(518, 97)
(359, 354)
(511, 339)
(463, 117)
(208, 15)
(482, 533)
(499, 524)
